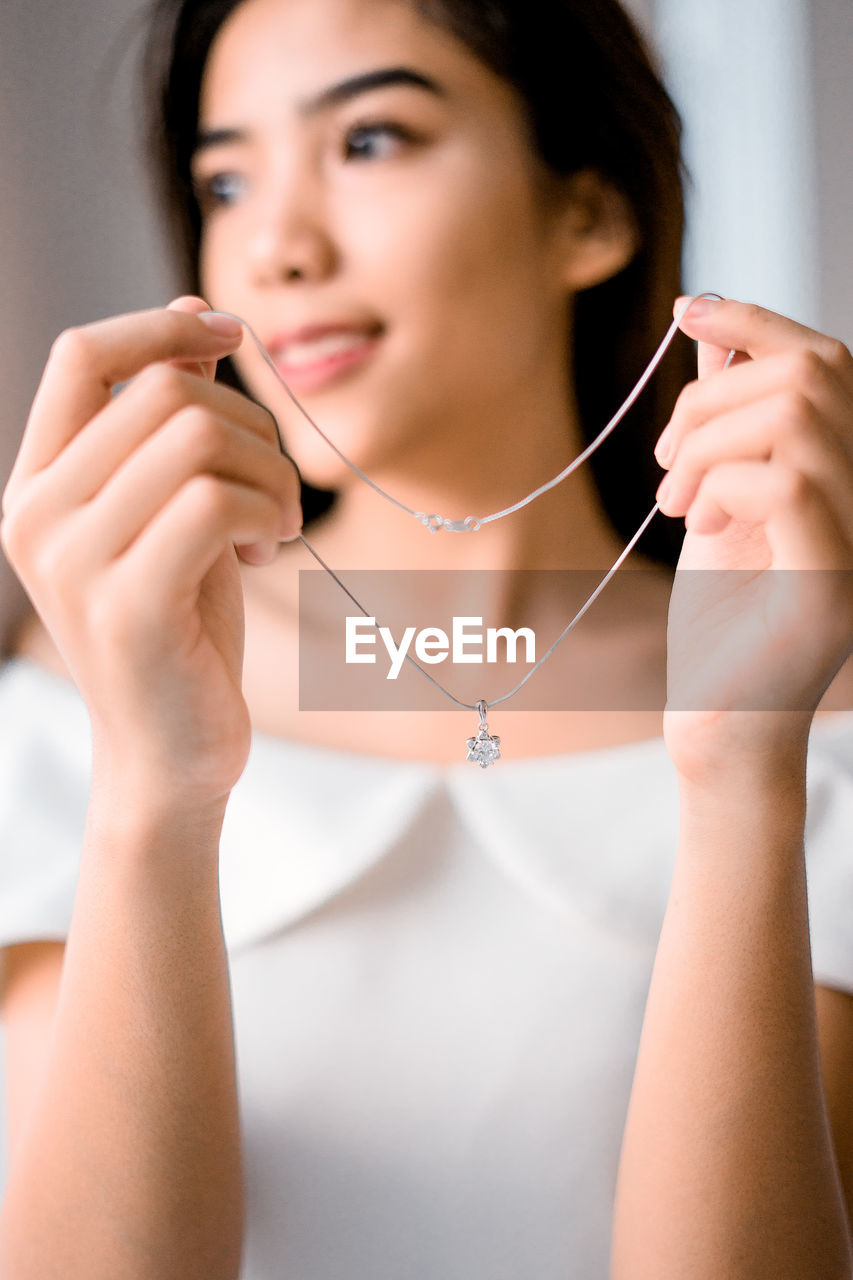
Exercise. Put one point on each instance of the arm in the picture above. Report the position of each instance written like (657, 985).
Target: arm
(727, 1164)
(123, 517)
(128, 1158)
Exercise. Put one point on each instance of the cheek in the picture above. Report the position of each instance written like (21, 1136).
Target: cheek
(468, 260)
(465, 223)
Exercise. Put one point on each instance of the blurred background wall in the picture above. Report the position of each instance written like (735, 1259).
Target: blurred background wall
(77, 234)
(765, 89)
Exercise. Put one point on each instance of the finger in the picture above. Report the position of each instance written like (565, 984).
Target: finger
(86, 363)
(144, 406)
(180, 546)
(798, 524)
(756, 332)
(777, 428)
(711, 360)
(800, 372)
(193, 443)
(194, 306)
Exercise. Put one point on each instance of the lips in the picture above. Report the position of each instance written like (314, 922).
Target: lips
(315, 354)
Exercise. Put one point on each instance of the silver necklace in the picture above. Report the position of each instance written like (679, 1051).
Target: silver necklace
(483, 748)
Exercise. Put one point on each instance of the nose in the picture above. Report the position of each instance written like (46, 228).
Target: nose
(290, 239)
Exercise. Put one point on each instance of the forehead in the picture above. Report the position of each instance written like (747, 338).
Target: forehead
(286, 51)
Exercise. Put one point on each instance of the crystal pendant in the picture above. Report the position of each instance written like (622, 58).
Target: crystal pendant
(485, 748)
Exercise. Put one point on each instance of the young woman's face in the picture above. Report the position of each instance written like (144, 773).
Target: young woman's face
(410, 215)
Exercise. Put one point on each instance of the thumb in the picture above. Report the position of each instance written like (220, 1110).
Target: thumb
(709, 358)
(189, 302)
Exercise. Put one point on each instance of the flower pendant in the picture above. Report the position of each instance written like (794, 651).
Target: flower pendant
(485, 748)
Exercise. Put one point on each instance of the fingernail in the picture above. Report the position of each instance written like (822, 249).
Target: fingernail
(701, 307)
(663, 447)
(225, 326)
(663, 489)
(286, 531)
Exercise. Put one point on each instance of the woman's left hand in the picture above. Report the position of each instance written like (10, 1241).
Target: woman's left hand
(760, 462)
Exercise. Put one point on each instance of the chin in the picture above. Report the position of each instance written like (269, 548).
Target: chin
(363, 421)
(319, 465)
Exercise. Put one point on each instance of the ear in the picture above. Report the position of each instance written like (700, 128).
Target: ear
(599, 234)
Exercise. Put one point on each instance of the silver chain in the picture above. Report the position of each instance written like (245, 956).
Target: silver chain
(470, 524)
(473, 706)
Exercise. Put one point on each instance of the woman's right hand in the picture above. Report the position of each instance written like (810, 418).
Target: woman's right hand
(123, 517)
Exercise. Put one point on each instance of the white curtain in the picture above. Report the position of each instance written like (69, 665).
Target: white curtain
(764, 88)
(740, 74)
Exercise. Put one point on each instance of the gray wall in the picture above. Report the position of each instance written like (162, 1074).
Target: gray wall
(766, 89)
(77, 240)
(831, 51)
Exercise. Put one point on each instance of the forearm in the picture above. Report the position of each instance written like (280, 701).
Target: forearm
(727, 1165)
(128, 1164)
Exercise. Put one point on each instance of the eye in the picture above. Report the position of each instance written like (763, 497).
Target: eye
(218, 189)
(359, 139)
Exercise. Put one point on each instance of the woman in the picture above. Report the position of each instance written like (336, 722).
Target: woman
(435, 978)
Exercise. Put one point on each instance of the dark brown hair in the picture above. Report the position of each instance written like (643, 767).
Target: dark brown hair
(594, 101)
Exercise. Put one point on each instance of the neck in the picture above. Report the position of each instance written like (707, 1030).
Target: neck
(565, 528)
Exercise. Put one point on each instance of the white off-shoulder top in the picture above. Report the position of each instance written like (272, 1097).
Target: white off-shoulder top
(438, 980)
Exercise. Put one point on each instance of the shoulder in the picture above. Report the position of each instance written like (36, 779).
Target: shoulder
(839, 695)
(30, 975)
(44, 786)
(44, 739)
(32, 640)
(41, 711)
(835, 1029)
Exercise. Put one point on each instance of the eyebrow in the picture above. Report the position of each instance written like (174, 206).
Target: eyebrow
(347, 89)
(333, 96)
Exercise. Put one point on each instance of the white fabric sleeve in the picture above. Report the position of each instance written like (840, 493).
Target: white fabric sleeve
(829, 850)
(45, 749)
